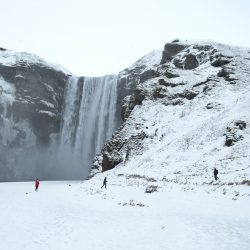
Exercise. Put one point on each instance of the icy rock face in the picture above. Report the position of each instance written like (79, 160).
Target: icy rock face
(31, 96)
(186, 87)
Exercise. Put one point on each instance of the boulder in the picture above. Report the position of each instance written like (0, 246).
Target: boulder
(160, 92)
(188, 62)
(170, 50)
(191, 62)
(148, 74)
(232, 132)
(220, 61)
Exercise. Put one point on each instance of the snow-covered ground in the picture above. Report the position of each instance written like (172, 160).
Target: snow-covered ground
(74, 215)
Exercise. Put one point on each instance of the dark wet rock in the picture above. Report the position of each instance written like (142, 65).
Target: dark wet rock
(175, 40)
(210, 106)
(149, 74)
(187, 94)
(206, 89)
(213, 105)
(140, 94)
(129, 102)
(164, 82)
(170, 74)
(232, 132)
(220, 61)
(170, 50)
(223, 73)
(96, 166)
(228, 75)
(110, 155)
(160, 92)
(127, 106)
(190, 94)
(231, 79)
(125, 88)
(205, 47)
(178, 63)
(240, 124)
(115, 150)
(191, 62)
(201, 83)
(188, 62)
(231, 139)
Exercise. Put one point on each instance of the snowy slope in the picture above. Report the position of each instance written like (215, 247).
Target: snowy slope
(182, 133)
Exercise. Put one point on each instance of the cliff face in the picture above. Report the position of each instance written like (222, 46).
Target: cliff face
(188, 113)
(30, 106)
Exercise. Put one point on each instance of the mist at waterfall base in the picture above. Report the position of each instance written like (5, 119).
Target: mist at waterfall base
(89, 117)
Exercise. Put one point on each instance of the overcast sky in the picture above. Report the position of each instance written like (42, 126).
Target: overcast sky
(96, 37)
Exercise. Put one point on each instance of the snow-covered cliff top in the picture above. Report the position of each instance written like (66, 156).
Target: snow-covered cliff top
(12, 58)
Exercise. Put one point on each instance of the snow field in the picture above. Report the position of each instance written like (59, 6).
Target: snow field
(74, 215)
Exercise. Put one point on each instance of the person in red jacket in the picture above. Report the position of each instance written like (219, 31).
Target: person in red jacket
(37, 184)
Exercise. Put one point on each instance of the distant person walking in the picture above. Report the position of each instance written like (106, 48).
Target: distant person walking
(37, 184)
(104, 183)
(216, 174)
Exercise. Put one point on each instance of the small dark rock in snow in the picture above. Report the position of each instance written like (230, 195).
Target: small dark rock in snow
(212, 105)
(191, 62)
(160, 92)
(232, 134)
(170, 74)
(220, 61)
(240, 124)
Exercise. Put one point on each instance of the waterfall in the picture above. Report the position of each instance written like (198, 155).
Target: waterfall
(69, 114)
(89, 119)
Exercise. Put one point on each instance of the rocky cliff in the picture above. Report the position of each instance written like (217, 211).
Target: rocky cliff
(30, 106)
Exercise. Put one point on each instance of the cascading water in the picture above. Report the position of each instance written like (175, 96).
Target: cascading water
(89, 119)
(69, 114)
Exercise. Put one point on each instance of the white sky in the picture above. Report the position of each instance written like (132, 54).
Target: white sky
(96, 37)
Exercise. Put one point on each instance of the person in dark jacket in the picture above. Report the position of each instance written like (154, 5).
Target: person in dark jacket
(216, 174)
(37, 184)
(104, 183)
